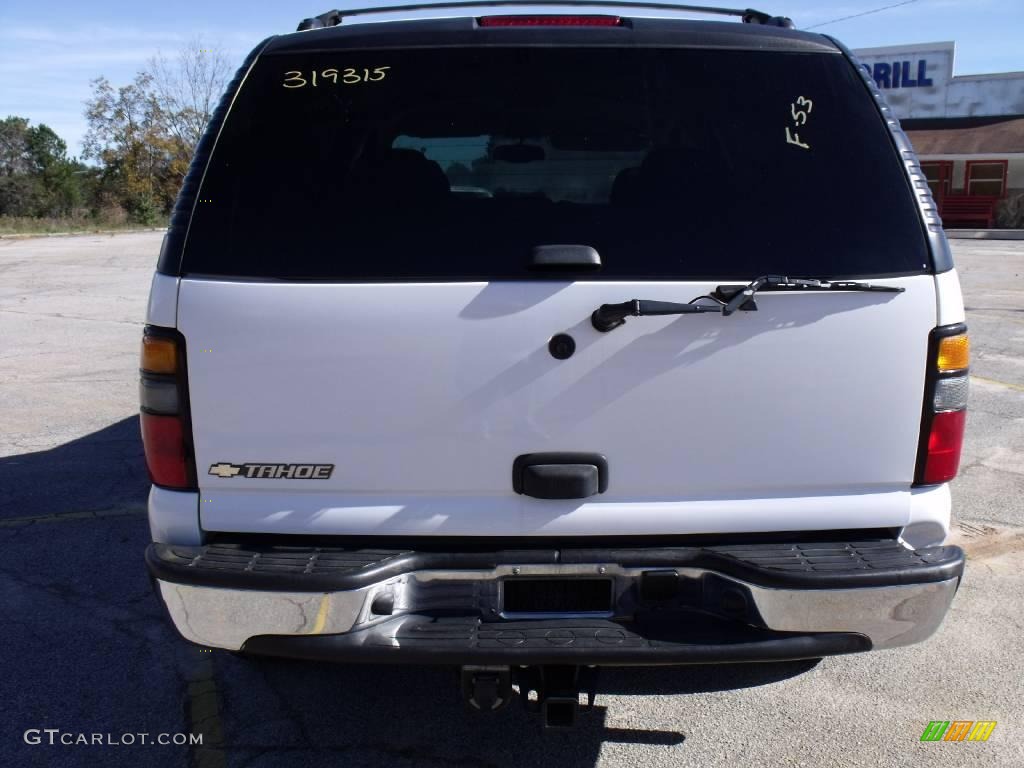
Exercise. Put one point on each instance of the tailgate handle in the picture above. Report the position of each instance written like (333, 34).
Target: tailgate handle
(560, 475)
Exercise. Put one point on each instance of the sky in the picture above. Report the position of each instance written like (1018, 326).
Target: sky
(49, 52)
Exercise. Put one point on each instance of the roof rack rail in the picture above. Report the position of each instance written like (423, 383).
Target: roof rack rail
(748, 15)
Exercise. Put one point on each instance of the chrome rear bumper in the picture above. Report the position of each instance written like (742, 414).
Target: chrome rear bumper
(891, 607)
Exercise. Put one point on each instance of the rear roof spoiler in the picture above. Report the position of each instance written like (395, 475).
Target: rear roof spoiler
(748, 15)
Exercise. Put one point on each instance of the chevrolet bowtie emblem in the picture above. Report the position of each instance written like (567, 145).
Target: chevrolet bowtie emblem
(225, 470)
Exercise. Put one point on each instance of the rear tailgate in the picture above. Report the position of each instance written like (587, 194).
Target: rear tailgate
(357, 293)
(802, 415)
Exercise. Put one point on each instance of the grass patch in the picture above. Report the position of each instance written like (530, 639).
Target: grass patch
(30, 225)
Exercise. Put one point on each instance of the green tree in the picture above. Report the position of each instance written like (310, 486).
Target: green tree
(125, 135)
(49, 162)
(13, 150)
(36, 176)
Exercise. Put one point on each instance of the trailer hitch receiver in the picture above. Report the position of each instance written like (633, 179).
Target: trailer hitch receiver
(558, 688)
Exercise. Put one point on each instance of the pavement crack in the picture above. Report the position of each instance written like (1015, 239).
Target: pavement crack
(62, 316)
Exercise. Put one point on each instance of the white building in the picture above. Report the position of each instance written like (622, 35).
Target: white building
(968, 130)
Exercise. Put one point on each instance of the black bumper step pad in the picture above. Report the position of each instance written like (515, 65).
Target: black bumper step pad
(828, 565)
(685, 638)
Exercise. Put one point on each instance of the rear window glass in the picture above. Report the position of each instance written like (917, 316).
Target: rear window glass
(452, 164)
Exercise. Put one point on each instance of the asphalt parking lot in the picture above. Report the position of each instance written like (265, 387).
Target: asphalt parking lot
(86, 648)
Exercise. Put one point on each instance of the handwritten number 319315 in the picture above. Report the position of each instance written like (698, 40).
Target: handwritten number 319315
(799, 109)
(296, 79)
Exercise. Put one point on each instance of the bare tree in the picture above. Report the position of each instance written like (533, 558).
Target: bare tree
(144, 133)
(187, 88)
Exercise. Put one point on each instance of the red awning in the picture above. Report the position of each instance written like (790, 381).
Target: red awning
(1003, 137)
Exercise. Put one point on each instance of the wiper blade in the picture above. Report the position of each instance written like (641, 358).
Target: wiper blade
(609, 316)
(782, 283)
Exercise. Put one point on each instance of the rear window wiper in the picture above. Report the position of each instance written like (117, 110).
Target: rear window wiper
(727, 299)
(782, 283)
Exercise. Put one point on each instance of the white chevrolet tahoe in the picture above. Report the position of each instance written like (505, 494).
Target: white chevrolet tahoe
(423, 379)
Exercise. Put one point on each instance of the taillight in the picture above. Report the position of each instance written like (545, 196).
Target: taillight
(164, 441)
(549, 21)
(166, 428)
(945, 405)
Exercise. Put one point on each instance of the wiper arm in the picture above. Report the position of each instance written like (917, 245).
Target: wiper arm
(609, 316)
(782, 283)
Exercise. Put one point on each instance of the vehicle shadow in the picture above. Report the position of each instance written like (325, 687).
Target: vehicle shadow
(102, 470)
(415, 714)
(270, 712)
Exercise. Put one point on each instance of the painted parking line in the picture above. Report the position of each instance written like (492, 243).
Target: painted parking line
(133, 510)
(203, 712)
